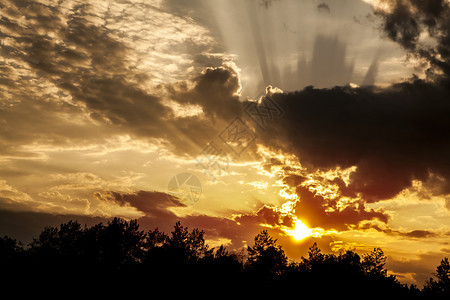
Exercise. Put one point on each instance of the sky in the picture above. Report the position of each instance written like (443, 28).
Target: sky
(320, 121)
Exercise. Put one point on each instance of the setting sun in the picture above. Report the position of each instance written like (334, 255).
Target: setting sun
(300, 231)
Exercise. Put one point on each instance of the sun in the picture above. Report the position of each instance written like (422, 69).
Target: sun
(300, 231)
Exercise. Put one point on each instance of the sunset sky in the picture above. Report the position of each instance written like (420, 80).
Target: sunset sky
(324, 121)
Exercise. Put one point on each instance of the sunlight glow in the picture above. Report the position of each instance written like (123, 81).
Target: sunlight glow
(381, 5)
(287, 196)
(300, 231)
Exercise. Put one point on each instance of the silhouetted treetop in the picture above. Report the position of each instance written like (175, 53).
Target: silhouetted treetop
(315, 257)
(10, 249)
(373, 263)
(440, 286)
(265, 256)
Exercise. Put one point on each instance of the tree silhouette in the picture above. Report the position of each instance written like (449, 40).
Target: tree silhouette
(224, 257)
(47, 243)
(190, 246)
(180, 247)
(315, 258)
(441, 286)
(121, 243)
(350, 261)
(373, 263)
(10, 251)
(118, 256)
(265, 256)
(155, 239)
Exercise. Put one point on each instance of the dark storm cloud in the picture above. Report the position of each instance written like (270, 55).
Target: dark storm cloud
(407, 20)
(401, 27)
(293, 180)
(144, 201)
(393, 136)
(266, 215)
(215, 90)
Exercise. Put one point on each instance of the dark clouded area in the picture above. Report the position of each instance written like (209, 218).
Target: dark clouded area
(393, 135)
(422, 28)
(407, 20)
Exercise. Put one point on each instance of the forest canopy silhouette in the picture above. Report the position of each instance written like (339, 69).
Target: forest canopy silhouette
(118, 256)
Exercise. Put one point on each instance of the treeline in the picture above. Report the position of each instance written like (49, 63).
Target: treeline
(117, 257)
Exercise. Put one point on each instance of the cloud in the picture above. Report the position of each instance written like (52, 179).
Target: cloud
(93, 67)
(26, 225)
(216, 91)
(323, 7)
(152, 204)
(268, 216)
(393, 136)
(420, 234)
(316, 211)
(240, 228)
(418, 269)
(417, 25)
(89, 81)
(293, 180)
(412, 234)
(11, 198)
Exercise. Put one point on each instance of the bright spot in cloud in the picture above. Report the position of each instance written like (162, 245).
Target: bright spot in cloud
(300, 231)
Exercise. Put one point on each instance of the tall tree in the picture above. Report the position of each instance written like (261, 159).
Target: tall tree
(265, 256)
(315, 257)
(122, 242)
(441, 286)
(373, 263)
